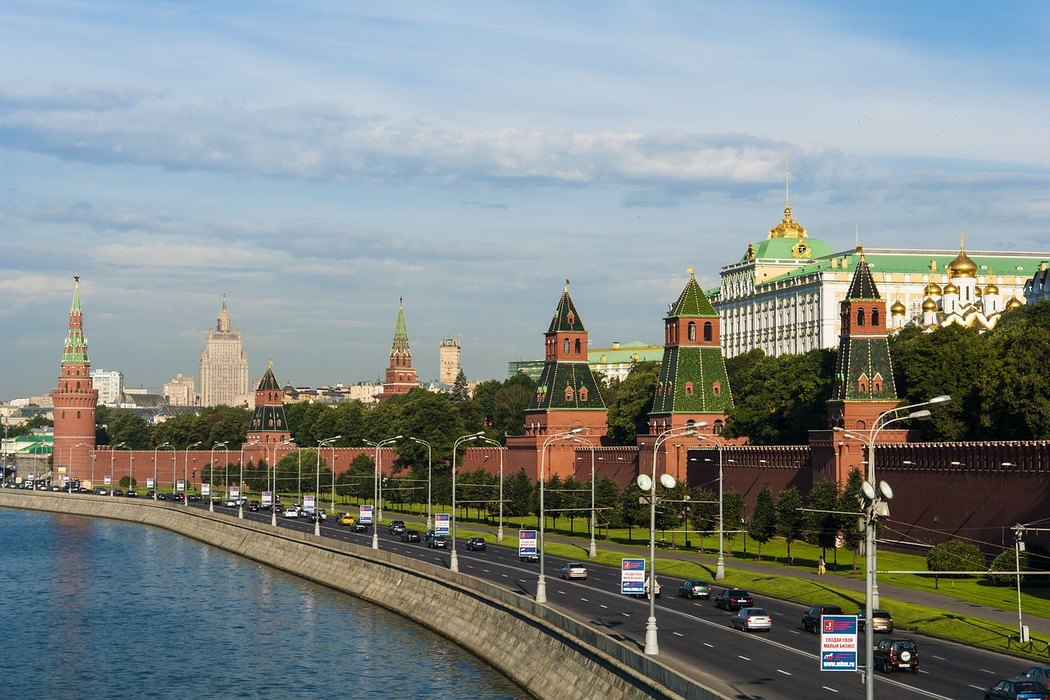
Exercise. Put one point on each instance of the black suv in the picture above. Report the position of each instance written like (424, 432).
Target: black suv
(897, 653)
(475, 544)
(811, 618)
(734, 599)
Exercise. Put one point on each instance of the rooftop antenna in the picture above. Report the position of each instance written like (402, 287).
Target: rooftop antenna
(787, 178)
(858, 234)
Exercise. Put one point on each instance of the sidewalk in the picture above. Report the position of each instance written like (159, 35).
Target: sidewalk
(1039, 626)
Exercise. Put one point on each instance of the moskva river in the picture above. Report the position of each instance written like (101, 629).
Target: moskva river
(93, 608)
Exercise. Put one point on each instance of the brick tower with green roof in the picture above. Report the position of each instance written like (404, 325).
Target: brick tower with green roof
(268, 425)
(400, 375)
(863, 383)
(693, 384)
(74, 401)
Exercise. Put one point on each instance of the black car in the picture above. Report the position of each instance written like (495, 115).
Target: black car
(811, 618)
(475, 544)
(411, 536)
(253, 506)
(397, 527)
(1019, 688)
(360, 527)
(734, 599)
(895, 654)
(1038, 673)
(438, 542)
(131, 493)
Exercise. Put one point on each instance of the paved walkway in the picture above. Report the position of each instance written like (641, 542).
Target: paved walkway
(1039, 626)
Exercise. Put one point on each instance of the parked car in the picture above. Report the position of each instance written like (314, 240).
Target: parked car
(897, 653)
(695, 588)
(747, 619)
(881, 621)
(411, 536)
(347, 519)
(734, 599)
(438, 542)
(397, 527)
(574, 570)
(811, 618)
(475, 544)
(1019, 688)
(1038, 673)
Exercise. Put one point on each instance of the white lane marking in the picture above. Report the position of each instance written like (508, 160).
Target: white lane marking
(939, 658)
(741, 656)
(984, 670)
(978, 687)
(678, 634)
(585, 600)
(709, 645)
(626, 614)
(779, 670)
(827, 688)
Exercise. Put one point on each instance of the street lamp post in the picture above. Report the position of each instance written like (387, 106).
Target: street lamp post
(453, 559)
(502, 449)
(156, 453)
(211, 475)
(69, 470)
(541, 582)
(377, 489)
(240, 479)
(593, 551)
(273, 503)
(429, 479)
(646, 483)
(112, 455)
(317, 487)
(880, 423)
(720, 564)
(93, 456)
(185, 474)
(332, 447)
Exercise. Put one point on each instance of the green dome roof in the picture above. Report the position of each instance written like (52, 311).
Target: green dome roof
(787, 249)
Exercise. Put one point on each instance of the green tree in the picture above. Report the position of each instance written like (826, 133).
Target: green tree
(954, 555)
(763, 522)
(703, 511)
(732, 512)
(634, 514)
(518, 493)
(606, 501)
(790, 519)
(629, 412)
(130, 429)
(822, 526)
(460, 389)
(502, 405)
(1008, 560)
(1018, 397)
(852, 530)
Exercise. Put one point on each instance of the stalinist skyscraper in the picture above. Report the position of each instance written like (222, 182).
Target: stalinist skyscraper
(224, 364)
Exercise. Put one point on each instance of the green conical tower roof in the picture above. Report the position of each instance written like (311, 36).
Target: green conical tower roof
(565, 317)
(692, 301)
(400, 346)
(75, 349)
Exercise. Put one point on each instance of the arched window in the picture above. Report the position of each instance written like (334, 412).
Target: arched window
(860, 317)
(565, 345)
(579, 346)
(569, 393)
(862, 385)
(708, 332)
(691, 331)
(571, 318)
(874, 317)
(716, 389)
(719, 425)
(688, 388)
(583, 393)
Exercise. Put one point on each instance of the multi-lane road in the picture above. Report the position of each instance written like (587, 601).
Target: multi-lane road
(696, 637)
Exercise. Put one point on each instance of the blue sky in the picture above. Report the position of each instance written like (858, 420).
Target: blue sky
(316, 161)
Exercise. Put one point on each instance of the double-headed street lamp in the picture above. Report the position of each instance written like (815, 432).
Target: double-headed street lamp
(211, 474)
(186, 472)
(541, 582)
(453, 559)
(69, 469)
(156, 457)
(430, 475)
(880, 423)
(377, 489)
(273, 495)
(720, 565)
(327, 442)
(593, 550)
(112, 456)
(502, 449)
(645, 483)
(240, 479)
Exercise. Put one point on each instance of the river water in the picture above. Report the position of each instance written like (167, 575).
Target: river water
(93, 608)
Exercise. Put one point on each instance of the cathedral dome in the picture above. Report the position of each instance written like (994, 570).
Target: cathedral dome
(1014, 303)
(929, 305)
(950, 288)
(978, 292)
(991, 289)
(932, 290)
(898, 309)
(962, 266)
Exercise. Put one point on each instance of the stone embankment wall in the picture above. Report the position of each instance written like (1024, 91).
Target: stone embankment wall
(546, 652)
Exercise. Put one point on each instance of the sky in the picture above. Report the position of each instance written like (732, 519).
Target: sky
(317, 161)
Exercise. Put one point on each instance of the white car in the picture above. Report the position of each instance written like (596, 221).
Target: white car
(574, 569)
(292, 512)
(747, 619)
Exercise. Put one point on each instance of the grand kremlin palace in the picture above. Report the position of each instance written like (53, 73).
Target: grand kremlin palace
(784, 293)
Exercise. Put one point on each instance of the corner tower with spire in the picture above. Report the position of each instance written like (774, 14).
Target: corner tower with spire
(268, 425)
(400, 375)
(863, 383)
(74, 401)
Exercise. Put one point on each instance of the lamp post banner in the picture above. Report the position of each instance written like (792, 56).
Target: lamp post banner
(205, 489)
(838, 642)
(366, 515)
(632, 576)
(441, 522)
(527, 543)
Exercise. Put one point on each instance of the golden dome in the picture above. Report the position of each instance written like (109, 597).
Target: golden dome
(950, 288)
(962, 266)
(788, 228)
(991, 289)
(929, 305)
(1014, 303)
(977, 292)
(898, 309)
(933, 290)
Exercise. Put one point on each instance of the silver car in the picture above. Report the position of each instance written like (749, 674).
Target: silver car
(748, 619)
(574, 569)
